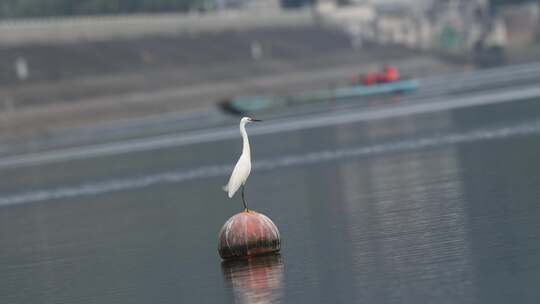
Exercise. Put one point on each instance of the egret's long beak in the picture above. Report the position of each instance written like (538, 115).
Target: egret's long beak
(255, 119)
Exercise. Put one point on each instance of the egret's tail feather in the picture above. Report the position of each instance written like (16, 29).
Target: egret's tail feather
(230, 192)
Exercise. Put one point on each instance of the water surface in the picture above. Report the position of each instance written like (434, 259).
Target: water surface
(431, 208)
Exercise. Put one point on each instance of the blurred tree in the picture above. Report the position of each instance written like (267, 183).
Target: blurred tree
(496, 3)
(45, 8)
(296, 3)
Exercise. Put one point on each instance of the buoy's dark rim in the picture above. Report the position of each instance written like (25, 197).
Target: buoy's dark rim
(251, 256)
(250, 249)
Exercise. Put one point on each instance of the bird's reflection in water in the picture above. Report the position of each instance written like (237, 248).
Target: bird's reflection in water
(255, 280)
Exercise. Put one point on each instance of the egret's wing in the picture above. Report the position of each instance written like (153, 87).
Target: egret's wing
(234, 182)
(238, 176)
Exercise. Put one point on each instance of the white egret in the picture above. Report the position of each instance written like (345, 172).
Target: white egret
(242, 169)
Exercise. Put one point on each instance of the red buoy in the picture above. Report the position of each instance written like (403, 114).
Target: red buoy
(246, 234)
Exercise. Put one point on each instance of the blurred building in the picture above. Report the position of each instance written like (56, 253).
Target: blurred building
(451, 26)
(522, 23)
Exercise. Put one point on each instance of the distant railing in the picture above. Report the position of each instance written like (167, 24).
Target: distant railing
(73, 29)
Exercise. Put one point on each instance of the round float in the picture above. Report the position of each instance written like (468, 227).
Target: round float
(247, 234)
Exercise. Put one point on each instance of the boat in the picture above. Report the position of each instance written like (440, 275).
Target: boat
(254, 104)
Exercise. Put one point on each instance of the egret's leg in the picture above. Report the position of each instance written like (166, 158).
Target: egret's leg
(244, 200)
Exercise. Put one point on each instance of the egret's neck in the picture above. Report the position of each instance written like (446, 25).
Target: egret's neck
(245, 149)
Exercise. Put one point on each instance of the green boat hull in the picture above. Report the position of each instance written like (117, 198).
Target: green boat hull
(260, 103)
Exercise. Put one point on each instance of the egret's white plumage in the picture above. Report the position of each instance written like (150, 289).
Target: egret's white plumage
(243, 166)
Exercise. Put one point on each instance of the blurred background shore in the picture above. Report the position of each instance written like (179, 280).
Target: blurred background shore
(89, 65)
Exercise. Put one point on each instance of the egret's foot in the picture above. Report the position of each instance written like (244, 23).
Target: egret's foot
(246, 210)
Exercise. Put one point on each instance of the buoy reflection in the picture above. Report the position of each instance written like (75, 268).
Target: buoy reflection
(255, 280)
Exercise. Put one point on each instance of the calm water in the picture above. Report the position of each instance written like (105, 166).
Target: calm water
(433, 208)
